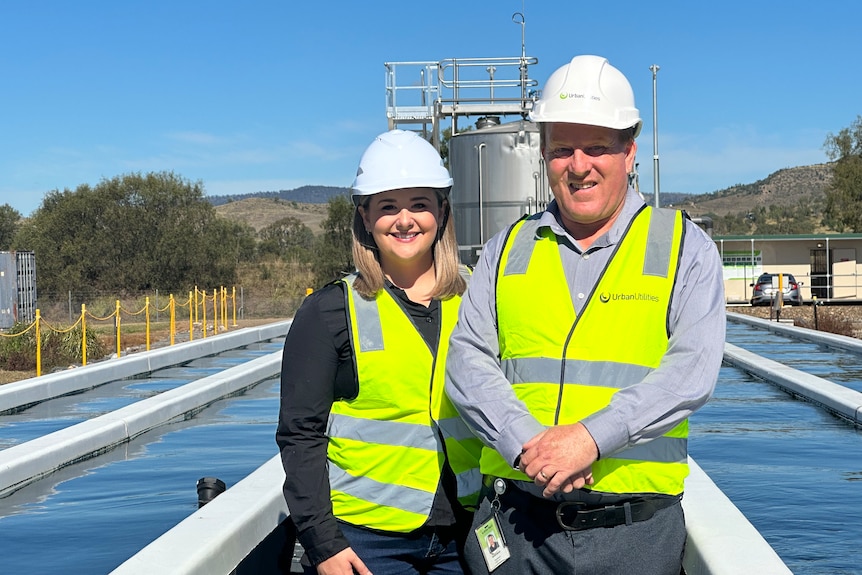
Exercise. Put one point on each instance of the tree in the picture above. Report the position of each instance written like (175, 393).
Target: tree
(333, 254)
(733, 224)
(10, 218)
(844, 197)
(288, 238)
(132, 233)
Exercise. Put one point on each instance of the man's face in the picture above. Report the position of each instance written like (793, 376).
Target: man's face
(588, 169)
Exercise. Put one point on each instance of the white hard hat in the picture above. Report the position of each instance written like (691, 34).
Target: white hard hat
(399, 159)
(588, 90)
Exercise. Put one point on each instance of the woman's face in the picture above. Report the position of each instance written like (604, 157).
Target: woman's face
(404, 224)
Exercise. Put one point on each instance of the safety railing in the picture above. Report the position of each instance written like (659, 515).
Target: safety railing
(204, 310)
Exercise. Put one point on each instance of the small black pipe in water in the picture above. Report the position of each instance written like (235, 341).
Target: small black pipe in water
(208, 489)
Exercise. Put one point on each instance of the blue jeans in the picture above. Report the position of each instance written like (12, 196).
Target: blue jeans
(425, 551)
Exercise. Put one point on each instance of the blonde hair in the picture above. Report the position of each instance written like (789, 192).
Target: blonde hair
(448, 280)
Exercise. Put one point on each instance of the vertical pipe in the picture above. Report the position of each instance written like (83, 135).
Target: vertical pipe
(233, 301)
(479, 150)
(753, 273)
(829, 279)
(655, 180)
(519, 18)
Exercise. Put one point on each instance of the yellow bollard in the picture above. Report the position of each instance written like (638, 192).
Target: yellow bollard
(173, 307)
(38, 344)
(215, 311)
(204, 324)
(117, 312)
(224, 300)
(191, 323)
(83, 334)
(147, 315)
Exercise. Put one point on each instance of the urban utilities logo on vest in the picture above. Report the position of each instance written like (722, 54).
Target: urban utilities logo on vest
(606, 297)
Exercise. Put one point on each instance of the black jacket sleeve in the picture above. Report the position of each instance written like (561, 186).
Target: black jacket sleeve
(317, 368)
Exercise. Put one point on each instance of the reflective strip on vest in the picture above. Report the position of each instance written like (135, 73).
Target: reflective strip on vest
(383, 432)
(659, 243)
(409, 500)
(543, 369)
(563, 370)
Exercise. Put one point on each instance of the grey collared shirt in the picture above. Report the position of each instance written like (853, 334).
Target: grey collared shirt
(682, 383)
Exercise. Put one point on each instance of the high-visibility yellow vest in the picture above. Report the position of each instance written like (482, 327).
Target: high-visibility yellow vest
(566, 367)
(388, 445)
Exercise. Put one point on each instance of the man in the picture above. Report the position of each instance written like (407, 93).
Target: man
(589, 334)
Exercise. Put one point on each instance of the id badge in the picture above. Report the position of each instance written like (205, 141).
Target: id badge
(492, 543)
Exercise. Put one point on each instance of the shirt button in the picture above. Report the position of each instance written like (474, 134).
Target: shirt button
(427, 320)
(580, 296)
(586, 256)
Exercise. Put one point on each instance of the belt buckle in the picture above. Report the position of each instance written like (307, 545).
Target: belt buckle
(561, 509)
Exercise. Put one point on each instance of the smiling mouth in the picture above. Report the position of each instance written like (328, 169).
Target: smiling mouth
(582, 186)
(406, 236)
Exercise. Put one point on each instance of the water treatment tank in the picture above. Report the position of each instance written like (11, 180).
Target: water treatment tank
(498, 176)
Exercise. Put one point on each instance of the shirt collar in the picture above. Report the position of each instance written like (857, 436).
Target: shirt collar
(633, 202)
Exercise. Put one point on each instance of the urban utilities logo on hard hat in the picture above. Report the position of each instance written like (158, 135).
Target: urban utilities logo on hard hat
(567, 95)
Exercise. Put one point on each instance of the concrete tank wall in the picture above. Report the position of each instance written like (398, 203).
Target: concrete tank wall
(498, 176)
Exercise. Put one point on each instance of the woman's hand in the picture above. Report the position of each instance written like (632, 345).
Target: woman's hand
(345, 562)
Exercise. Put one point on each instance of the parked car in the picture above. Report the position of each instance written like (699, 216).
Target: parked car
(766, 288)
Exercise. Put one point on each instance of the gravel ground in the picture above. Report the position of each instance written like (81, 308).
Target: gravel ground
(843, 319)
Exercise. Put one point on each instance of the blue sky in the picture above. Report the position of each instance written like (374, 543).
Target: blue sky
(269, 95)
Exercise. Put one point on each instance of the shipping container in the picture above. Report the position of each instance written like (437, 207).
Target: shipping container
(17, 288)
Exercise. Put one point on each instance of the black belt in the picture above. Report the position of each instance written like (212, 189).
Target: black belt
(577, 515)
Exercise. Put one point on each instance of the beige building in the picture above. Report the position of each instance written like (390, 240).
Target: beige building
(826, 266)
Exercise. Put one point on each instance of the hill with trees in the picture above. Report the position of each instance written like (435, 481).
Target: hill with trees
(303, 195)
(789, 201)
(786, 187)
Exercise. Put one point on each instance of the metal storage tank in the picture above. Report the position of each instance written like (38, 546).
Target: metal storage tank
(499, 176)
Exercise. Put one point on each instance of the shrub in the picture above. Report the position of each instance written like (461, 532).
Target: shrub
(59, 349)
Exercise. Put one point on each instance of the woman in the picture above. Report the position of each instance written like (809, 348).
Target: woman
(380, 470)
